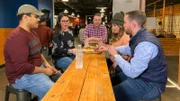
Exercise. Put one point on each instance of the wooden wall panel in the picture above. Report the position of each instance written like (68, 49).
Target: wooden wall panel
(171, 19)
(3, 34)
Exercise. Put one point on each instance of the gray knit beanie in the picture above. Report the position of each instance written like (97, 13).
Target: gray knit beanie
(118, 18)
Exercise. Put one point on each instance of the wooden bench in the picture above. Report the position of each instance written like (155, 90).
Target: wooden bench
(171, 48)
(91, 83)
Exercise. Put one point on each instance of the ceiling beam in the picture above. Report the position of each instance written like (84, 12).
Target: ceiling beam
(153, 3)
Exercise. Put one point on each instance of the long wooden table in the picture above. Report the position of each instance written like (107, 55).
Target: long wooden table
(91, 83)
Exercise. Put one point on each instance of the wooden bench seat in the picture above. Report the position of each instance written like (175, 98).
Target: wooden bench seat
(171, 47)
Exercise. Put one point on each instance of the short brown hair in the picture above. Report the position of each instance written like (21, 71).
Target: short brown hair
(138, 16)
(97, 14)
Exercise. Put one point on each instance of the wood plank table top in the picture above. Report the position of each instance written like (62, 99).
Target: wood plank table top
(91, 83)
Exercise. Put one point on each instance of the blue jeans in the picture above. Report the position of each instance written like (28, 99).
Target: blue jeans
(134, 89)
(64, 62)
(38, 84)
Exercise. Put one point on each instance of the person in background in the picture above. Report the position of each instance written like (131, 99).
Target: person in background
(63, 51)
(44, 33)
(159, 33)
(24, 61)
(95, 32)
(109, 31)
(81, 31)
(144, 77)
(76, 29)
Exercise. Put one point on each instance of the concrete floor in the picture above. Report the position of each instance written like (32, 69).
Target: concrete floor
(3, 82)
(173, 67)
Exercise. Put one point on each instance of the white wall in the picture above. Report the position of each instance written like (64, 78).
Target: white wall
(151, 23)
(127, 5)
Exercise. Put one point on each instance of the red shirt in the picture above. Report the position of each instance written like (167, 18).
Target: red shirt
(45, 34)
(22, 53)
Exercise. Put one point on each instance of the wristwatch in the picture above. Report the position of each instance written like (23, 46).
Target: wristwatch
(115, 55)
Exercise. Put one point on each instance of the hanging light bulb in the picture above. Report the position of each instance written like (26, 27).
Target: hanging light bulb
(78, 15)
(102, 15)
(102, 10)
(65, 11)
(72, 14)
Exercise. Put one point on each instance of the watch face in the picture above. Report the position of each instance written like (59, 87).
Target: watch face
(116, 55)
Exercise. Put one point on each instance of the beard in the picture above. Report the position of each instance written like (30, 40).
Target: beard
(32, 26)
(97, 25)
(128, 31)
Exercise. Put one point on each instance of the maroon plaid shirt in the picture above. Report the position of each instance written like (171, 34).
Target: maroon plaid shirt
(91, 31)
(45, 35)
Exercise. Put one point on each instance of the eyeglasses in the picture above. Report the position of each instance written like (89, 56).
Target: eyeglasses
(65, 21)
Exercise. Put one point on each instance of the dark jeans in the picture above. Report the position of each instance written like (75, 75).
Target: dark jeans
(109, 63)
(127, 89)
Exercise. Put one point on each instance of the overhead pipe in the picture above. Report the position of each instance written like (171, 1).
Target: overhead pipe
(153, 3)
(140, 4)
(154, 10)
(163, 14)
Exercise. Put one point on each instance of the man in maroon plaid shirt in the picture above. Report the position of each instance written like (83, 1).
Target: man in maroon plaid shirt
(95, 32)
(44, 33)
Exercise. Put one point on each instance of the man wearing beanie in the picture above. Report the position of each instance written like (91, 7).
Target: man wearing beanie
(95, 32)
(24, 62)
(144, 77)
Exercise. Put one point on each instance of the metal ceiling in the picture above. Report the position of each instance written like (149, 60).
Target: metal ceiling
(82, 6)
(88, 7)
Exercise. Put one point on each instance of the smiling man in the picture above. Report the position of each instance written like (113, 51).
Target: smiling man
(95, 32)
(24, 69)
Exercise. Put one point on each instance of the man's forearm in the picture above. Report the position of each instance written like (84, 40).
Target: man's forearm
(43, 58)
(39, 70)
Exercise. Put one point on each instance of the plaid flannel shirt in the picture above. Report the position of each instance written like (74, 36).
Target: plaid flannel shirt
(91, 31)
